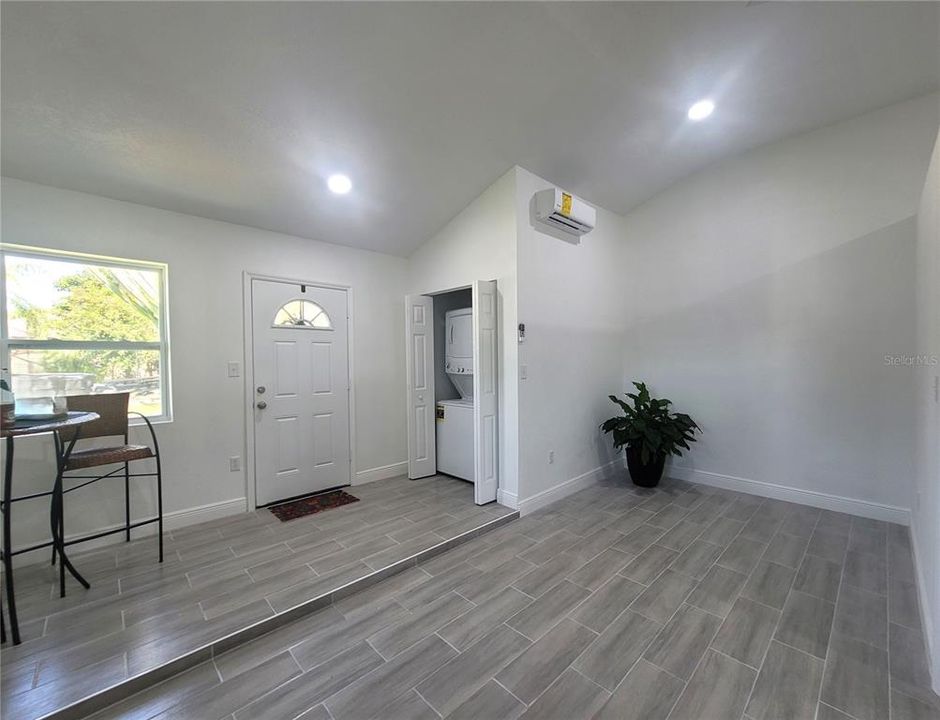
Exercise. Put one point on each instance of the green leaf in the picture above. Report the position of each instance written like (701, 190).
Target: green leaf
(649, 426)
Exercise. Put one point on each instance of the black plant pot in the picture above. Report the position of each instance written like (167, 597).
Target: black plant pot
(645, 474)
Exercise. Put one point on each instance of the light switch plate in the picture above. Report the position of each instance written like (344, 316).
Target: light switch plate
(234, 369)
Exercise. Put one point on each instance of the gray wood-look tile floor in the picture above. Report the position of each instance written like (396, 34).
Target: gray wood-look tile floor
(684, 603)
(219, 577)
(615, 603)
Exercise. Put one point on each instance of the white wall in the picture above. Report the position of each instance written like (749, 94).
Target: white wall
(206, 260)
(480, 244)
(926, 509)
(763, 295)
(571, 301)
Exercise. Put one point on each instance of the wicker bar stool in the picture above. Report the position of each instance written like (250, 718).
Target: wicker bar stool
(113, 422)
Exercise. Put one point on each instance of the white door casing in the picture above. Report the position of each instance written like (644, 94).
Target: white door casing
(419, 368)
(301, 417)
(485, 392)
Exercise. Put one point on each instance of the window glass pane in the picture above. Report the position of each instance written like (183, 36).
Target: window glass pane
(289, 314)
(302, 313)
(53, 373)
(65, 300)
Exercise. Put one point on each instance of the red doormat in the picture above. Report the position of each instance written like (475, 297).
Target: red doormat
(310, 505)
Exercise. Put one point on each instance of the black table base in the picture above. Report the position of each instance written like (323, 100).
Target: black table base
(57, 522)
(63, 451)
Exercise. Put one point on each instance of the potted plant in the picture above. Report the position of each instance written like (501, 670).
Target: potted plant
(650, 434)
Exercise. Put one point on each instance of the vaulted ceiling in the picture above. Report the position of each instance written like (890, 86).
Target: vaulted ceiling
(239, 111)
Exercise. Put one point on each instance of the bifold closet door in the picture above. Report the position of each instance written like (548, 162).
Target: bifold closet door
(485, 392)
(419, 364)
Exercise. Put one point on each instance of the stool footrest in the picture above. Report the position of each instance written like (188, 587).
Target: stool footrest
(105, 533)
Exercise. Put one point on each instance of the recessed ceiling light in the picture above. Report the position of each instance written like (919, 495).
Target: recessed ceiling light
(340, 184)
(701, 110)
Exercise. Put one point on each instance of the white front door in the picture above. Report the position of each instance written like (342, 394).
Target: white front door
(301, 389)
(419, 365)
(485, 392)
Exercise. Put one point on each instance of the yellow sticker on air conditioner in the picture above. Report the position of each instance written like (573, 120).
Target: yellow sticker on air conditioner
(565, 204)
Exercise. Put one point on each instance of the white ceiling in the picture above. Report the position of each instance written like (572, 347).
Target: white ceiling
(238, 111)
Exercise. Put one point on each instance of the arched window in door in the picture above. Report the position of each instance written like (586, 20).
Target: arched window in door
(299, 313)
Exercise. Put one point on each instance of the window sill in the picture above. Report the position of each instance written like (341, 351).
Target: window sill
(138, 422)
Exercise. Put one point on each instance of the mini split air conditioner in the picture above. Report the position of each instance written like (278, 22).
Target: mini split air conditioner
(564, 212)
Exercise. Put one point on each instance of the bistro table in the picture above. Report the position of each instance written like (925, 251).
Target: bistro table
(11, 431)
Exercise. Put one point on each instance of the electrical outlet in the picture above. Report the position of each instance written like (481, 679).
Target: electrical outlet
(551, 457)
(235, 463)
(234, 369)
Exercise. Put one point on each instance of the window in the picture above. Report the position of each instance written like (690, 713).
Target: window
(302, 314)
(79, 324)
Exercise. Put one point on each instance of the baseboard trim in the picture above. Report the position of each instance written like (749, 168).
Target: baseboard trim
(826, 501)
(383, 472)
(171, 521)
(563, 489)
(926, 619)
(507, 499)
(204, 513)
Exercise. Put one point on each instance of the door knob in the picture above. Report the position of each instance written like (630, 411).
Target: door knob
(261, 389)
(261, 405)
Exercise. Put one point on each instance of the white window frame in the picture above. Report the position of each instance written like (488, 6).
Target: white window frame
(163, 345)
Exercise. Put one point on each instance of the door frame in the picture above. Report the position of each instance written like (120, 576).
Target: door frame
(248, 365)
(499, 371)
(408, 370)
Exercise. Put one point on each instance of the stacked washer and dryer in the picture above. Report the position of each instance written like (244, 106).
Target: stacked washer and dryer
(455, 417)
